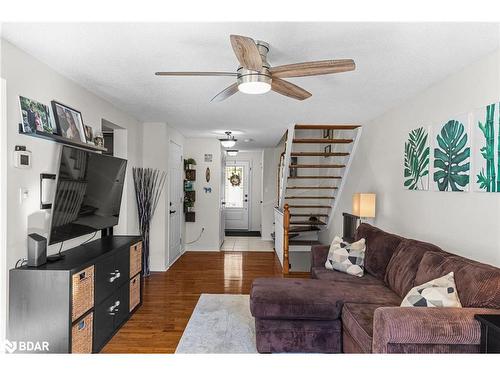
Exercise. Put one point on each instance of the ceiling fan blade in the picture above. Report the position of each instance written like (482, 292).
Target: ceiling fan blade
(246, 52)
(289, 89)
(313, 68)
(198, 74)
(226, 93)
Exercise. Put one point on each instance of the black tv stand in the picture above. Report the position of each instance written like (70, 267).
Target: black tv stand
(77, 303)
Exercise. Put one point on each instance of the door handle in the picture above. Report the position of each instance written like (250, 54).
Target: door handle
(114, 275)
(172, 212)
(112, 310)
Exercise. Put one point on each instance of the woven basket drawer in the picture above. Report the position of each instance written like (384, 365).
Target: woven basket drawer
(135, 292)
(81, 335)
(135, 259)
(82, 292)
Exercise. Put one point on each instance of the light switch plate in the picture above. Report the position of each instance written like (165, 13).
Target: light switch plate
(24, 194)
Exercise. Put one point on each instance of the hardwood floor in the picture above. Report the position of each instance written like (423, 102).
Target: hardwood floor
(170, 297)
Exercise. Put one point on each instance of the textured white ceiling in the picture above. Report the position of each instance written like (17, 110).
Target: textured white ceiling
(117, 61)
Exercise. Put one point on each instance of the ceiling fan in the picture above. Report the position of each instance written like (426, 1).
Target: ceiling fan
(256, 76)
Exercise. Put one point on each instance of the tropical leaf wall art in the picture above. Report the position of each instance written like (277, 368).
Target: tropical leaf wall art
(451, 157)
(416, 160)
(487, 158)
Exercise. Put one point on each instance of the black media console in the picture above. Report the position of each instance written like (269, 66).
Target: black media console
(76, 304)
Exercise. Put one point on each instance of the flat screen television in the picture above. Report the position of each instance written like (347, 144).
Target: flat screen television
(88, 194)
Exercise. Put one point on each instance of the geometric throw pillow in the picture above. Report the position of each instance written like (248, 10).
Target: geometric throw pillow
(346, 257)
(440, 292)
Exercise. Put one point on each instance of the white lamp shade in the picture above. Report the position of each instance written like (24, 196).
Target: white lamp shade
(228, 143)
(363, 204)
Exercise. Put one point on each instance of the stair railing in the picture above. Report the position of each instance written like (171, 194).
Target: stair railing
(286, 228)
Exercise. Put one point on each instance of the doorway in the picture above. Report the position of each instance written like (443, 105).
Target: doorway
(175, 170)
(237, 195)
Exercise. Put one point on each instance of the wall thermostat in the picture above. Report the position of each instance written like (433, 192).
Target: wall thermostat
(22, 157)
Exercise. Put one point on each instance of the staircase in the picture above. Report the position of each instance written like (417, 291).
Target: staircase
(313, 170)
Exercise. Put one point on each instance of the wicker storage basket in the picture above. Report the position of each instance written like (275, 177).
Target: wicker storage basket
(81, 335)
(135, 259)
(82, 292)
(135, 292)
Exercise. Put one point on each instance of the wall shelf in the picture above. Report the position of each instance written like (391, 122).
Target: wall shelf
(59, 139)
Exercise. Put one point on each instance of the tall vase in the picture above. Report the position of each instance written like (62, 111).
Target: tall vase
(148, 185)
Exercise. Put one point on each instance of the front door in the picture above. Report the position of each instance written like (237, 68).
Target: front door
(175, 190)
(236, 194)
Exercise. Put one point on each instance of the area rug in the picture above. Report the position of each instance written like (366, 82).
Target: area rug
(220, 323)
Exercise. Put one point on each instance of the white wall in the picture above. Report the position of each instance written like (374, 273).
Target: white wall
(156, 153)
(462, 223)
(27, 76)
(207, 205)
(269, 189)
(254, 157)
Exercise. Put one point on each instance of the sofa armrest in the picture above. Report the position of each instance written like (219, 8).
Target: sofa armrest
(395, 327)
(318, 255)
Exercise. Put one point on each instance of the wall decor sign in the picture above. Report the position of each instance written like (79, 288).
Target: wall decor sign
(207, 174)
(416, 160)
(69, 122)
(35, 116)
(208, 158)
(451, 153)
(486, 128)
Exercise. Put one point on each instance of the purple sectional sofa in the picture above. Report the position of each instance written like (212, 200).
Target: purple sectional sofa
(334, 312)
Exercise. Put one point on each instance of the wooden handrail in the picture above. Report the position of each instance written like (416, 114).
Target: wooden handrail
(286, 228)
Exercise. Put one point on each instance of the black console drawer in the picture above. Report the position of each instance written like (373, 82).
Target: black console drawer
(111, 273)
(109, 315)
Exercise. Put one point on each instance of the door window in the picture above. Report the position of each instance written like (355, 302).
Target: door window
(234, 187)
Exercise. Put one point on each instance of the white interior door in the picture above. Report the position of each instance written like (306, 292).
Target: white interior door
(236, 194)
(175, 209)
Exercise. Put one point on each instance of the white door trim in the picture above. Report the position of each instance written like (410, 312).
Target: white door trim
(248, 163)
(181, 189)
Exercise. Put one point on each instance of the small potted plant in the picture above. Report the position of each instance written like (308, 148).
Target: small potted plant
(189, 163)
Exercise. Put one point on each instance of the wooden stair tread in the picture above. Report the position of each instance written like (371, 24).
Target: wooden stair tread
(303, 229)
(308, 215)
(303, 242)
(295, 166)
(313, 187)
(313, 177)
(322, 140)
(307, 206)
(309, 197)
(326, 126)
(307, 222)
(319, 153)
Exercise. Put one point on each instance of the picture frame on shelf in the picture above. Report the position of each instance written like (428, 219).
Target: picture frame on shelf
(326, 133)
(328, 150)
(35, 116)
(89, 136)
(69, 122)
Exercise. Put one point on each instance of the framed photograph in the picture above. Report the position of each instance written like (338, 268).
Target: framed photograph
(89, 136)
(69, 122)
(35, 116)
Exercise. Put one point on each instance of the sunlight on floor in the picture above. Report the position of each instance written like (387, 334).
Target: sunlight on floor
(246, 244)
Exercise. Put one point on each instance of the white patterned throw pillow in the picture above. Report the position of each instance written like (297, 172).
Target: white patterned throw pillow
(440, 292)
(346, 257)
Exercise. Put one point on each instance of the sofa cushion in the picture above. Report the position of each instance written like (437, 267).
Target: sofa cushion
(347, 258)
(403, 266)
(357, 322)
(440, 292)
(321, 273)
(380, 247)
(478, 284)
(274, 298)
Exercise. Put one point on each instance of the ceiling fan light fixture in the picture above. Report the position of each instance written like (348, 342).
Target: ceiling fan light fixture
(253, 83)
(232, 152)
(228, 142)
